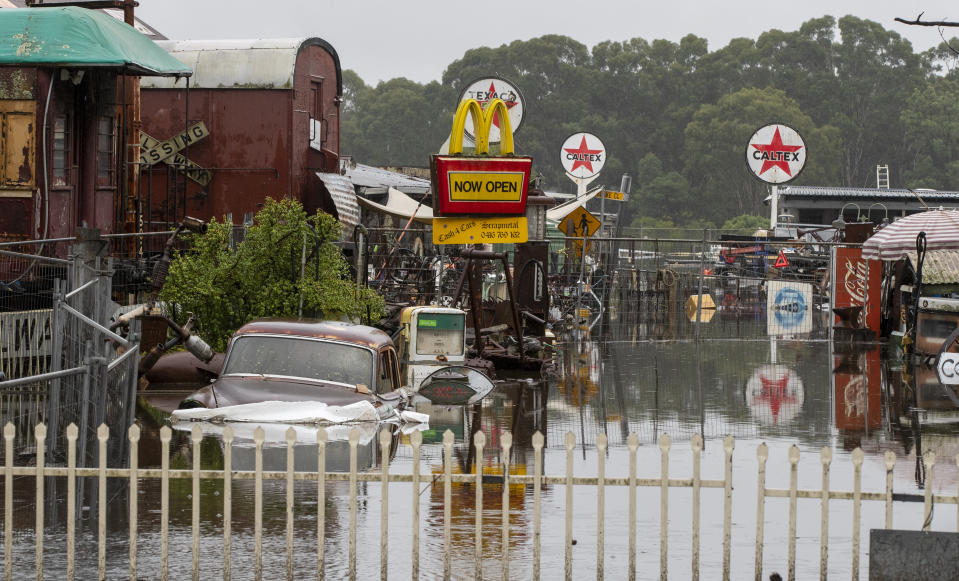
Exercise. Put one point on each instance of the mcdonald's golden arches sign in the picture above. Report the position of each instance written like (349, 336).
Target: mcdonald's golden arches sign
(481, 183)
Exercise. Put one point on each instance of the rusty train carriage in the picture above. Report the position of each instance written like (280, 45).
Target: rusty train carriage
(271, 108)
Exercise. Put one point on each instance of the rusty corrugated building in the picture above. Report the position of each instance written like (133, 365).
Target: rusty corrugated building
(269, 111)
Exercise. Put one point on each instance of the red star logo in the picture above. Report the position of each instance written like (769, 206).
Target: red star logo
(485, 102)
(773, 392)
(775, 154)
(582, 155)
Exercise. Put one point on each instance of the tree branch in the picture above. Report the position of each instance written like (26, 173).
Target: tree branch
(919, 22)
(946, 42)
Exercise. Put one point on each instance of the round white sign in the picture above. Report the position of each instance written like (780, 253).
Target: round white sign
(489, 88)
(583, 155)
(776, 153)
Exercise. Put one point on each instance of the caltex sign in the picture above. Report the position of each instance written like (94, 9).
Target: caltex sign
(776, 153)
(583, 155)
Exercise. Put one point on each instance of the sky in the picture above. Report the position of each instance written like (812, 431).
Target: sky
(417, 39)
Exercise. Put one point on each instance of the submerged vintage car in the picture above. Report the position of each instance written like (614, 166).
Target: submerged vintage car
(300, 360)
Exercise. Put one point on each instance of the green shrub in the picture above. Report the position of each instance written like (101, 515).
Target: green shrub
(226, 288)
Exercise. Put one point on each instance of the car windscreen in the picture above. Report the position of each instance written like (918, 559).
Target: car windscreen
(300, 357)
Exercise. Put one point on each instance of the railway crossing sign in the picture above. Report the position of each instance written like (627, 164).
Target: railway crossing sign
(162, 150)
(154, 151)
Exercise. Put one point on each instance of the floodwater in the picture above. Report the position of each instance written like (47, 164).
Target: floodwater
(649, 379)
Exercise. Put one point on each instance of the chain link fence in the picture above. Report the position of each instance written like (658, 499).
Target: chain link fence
(61, 363)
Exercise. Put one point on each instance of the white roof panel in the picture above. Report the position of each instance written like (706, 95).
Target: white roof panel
(236, 64)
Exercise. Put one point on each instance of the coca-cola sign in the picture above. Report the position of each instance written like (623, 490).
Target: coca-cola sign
(857, 284)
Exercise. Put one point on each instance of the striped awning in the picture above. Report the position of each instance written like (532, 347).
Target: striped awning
(899, 238)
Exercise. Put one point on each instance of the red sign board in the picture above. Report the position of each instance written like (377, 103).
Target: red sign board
(481, 185)
(857, 283)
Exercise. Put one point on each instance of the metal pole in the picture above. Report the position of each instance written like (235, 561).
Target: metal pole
(702, 275)
(56, 364)
(582, 279)
(602, 213)
(774, 208)
(515, 311)
(302, 275)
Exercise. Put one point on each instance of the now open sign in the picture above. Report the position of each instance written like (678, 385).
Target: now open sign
(478, 185)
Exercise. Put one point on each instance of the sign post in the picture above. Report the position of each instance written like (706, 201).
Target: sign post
(583, 156)
(775, 154)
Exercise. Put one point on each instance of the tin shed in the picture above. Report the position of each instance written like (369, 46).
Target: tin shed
(263, 120)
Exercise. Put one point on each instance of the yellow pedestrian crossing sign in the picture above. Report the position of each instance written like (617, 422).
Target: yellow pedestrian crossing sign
(578, 245)
(579, 223)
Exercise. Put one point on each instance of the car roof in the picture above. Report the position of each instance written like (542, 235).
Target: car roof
(318, 329)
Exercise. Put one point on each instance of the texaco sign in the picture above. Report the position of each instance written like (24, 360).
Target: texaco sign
(489, 88)
(776, 153)
(583, 155)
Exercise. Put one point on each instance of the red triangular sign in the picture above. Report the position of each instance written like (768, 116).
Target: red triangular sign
(781, 262)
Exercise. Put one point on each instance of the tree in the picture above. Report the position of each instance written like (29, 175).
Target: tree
(746, 223)
(395, 124)
(226, 288)
(931, 121)
(848, 85)
(877, 73)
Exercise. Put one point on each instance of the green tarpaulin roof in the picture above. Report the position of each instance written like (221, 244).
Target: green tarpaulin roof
(77, 37)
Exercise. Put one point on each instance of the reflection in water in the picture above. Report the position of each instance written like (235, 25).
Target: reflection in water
(884, 403)
(774, 394)
(304, 449)
(621, 381)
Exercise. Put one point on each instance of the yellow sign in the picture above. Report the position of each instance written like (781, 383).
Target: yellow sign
(488, 187)
(706, 311)
(579, 223)
(618, 196)
(578, 245)
(480, 230)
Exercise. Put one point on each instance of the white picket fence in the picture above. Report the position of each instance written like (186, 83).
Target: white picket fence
(665, 482)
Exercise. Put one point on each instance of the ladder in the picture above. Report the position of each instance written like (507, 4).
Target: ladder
(882, 177)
